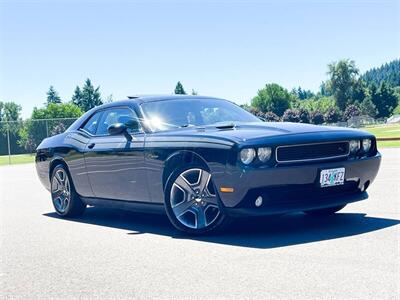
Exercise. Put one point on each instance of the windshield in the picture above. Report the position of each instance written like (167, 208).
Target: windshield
(169, 114)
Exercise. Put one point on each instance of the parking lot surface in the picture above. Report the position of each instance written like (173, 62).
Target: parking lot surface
(117, 254)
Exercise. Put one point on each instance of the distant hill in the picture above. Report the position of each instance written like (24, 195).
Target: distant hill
(388, 72)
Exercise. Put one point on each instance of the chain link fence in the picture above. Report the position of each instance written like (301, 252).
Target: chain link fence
(22, 137)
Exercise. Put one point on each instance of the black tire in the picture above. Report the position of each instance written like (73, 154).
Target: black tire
(324, 211)
(220, 221)
(66, 201)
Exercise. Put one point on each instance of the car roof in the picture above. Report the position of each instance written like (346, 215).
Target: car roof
(139, 99)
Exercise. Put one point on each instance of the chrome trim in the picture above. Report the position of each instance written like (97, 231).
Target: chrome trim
(312, 159)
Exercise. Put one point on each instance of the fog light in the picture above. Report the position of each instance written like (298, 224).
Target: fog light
(259, 201)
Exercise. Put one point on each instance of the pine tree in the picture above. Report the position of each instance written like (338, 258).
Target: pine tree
(368, 107)
(52, 96)
(77, 96)
(179, 90)
(87, 97)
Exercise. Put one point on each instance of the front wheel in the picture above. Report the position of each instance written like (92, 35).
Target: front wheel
(65, 199)
(325, 211)
(191, 201)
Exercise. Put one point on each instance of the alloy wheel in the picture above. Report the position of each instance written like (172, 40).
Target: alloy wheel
(193, 199)
(61, 191)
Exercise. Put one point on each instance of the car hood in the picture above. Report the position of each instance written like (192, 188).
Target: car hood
(254, 132)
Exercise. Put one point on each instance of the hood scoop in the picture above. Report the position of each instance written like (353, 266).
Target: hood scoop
(226, 126)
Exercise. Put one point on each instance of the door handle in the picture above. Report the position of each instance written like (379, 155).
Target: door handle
(91, 145)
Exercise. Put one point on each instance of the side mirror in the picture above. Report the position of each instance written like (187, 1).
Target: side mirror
(119, 128)
(132, 124)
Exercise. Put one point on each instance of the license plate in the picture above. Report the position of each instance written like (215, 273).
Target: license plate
(332, 177)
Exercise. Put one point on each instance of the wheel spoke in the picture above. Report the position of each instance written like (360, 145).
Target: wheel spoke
(184, 184)
(211, 200)
(182, 207)
(59, 179)
(204, 178)
(200, 217)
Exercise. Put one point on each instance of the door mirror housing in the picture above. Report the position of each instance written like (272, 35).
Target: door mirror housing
(132, 124)
(119, 128)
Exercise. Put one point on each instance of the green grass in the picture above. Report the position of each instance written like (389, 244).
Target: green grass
(17, 159)
(385, 131)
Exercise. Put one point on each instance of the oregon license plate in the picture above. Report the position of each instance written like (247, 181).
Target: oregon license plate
(332, 177)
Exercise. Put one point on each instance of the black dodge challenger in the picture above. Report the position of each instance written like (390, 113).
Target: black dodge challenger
(202, 161)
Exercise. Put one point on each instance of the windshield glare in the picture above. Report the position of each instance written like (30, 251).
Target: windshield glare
(169, 114)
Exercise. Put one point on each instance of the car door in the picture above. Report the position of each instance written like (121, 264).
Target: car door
(115, 165)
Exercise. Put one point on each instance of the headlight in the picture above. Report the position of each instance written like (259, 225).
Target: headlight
(366, 144)
(264, 153)
(354, 146)
(247, 155)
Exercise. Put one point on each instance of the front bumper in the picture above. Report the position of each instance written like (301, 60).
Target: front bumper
(293, 188)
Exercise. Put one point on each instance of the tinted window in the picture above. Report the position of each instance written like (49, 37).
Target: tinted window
(167, 114)
(91, 124)
(112, 116)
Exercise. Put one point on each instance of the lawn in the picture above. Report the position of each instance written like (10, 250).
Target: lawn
(17, 159)
(385, 131)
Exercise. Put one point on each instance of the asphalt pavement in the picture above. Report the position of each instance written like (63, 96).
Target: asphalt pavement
(113, 254)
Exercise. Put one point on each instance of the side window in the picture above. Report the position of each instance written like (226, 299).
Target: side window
(91, 124)
(112, 116)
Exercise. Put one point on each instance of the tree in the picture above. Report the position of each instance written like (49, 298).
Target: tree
(179, 90)
(302, 94)
(351, 111)
(384, 99)
(343, 77)
(9, 111)
(194, 93)
(39, 126)
(388, 73)
(368, 108)
(52, 96)
(272, 98)
(359, 91)
(77, 96)
(87, 97)
(324, 90)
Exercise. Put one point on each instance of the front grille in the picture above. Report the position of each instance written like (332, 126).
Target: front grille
(320, 151)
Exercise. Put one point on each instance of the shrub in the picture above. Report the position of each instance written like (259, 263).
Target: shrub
(317, 117)
(271, 117)
(351, 111)
(291, 115)
(332, 116)
(304, 115)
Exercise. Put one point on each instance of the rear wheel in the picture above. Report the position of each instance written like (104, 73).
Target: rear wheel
(191, 201)
(325, 211)
(65, 199)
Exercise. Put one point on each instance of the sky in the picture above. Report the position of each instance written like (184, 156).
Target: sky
(227, 49)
